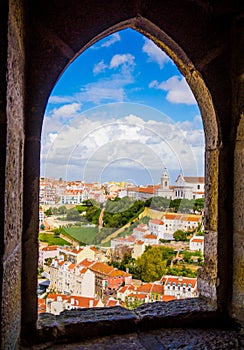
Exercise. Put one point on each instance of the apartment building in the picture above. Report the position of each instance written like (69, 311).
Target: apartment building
(56, 303)
(180, 287)
(68, 278)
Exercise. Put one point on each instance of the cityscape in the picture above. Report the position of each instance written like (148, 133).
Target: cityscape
(106, 242)
(115, 243)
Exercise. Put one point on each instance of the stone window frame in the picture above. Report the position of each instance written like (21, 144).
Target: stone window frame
(70, 325)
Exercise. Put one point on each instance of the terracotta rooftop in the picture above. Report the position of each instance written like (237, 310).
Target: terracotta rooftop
(156, 221)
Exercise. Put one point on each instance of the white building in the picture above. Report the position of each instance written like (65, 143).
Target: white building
(184, 222)
(140, 231)
(138, 249)
(68, 278)
(197, 243)
(127, 241)
(56, 303)
(157, 227)
(180, 287)
(47, 252)
(77, 254)
(72, 197)
(189, 187)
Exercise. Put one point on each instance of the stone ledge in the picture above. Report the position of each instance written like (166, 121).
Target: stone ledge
(82, 324)
(163, 339)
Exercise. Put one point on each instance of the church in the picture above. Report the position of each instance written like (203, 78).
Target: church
(189, 187)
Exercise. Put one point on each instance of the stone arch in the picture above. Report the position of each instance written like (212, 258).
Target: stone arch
(45, 37)
(205, 102)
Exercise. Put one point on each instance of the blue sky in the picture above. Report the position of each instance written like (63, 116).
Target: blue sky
(122, 111)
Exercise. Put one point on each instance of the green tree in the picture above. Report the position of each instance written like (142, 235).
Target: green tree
(152, 265)
(199, 204)
(180, 235)
(133, 304)
(48, 212)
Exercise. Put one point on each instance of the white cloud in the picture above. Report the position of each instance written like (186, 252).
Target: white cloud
(153, 84)
(110, 89)
(113, 39)
(103, 91)
(66, 111)
(178, 91)
(60, 99)
(99, 67)
(88, 146)
(155, 54)
(118, 60)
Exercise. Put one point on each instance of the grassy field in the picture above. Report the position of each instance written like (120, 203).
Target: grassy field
(82, 234)
(51, 239)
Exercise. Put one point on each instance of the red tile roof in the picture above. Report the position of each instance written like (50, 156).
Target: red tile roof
(150, 236)
(140, 229)
(157, 288)
(145, 288)
(156, 221)
(41, 305)
(138, 242)
(101, 268)
(198, 240)
(112, 302)
(86, 263)
(168, 297)
(49, 248)
(183, 217)
(179, 280)
(117, 273)
(78, 301)
(138, 296)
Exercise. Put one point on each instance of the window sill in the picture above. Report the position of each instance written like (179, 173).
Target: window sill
(77, 325)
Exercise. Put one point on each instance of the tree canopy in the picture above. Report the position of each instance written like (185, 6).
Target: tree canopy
(153, 263)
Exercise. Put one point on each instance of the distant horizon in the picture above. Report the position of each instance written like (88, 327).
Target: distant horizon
(113, 181)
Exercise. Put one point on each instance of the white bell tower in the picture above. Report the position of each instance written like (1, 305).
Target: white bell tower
(165, 180)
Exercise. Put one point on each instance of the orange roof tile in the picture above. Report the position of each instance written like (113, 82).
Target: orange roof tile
(112, 302)
(101, 268)
(41, 305)
(198, 240)
(86, 263)
(49, 248)
(150, 236)
(138, 242)
(116, 273)
(156, 221)
(71, 266)
(140, 229)
(157, 288)
(168, 297)
(145, 288)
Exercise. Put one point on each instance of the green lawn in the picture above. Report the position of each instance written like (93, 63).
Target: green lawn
(82, 234)
(52, 240)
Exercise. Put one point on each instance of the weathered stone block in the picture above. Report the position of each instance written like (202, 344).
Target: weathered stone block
(11, 299)
(211, 190)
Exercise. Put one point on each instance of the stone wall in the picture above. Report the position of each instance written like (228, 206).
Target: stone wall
(38, 41)
(13, 202)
